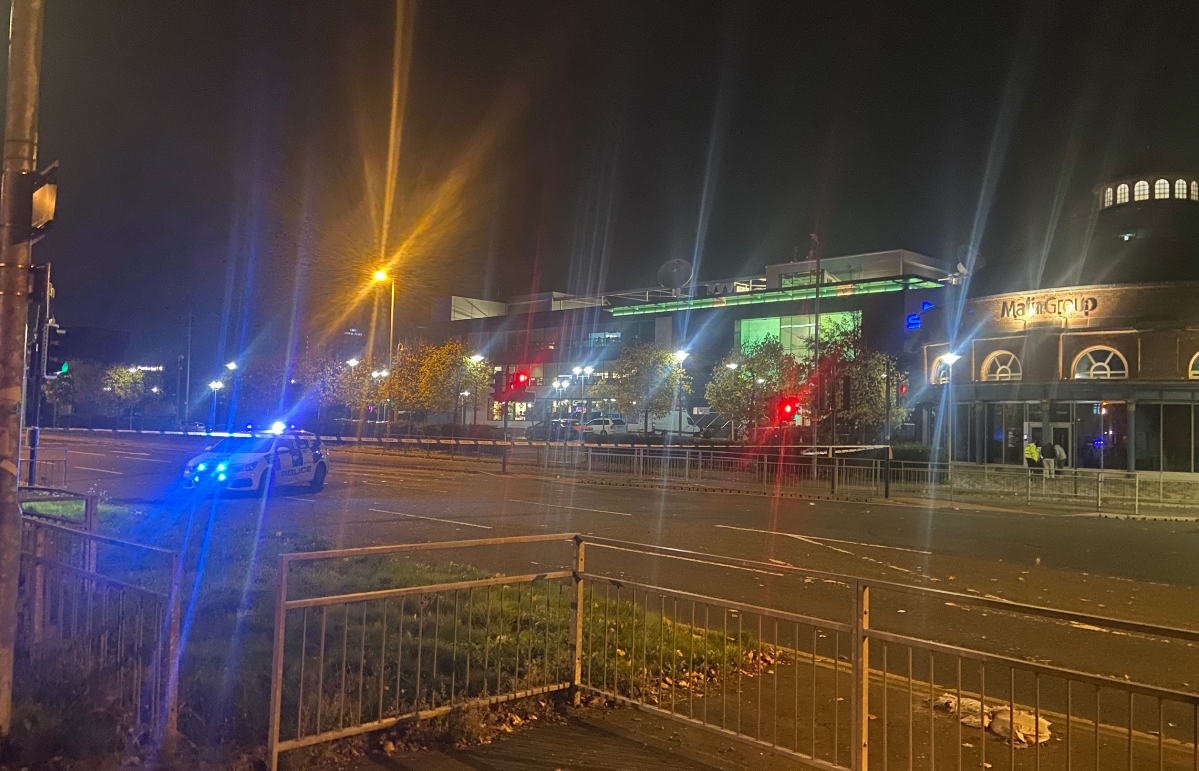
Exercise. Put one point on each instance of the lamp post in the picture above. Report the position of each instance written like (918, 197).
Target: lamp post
(679, 356)
(950, 359)
(215, 386)
(380, 276)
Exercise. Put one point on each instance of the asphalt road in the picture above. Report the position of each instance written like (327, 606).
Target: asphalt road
(1140, 570)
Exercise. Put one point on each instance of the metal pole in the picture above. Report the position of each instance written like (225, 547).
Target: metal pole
(860, 664)
(887, 432)
(187, 375)
(272, 736)
(576, 625)
(391, 326)
(20, 158)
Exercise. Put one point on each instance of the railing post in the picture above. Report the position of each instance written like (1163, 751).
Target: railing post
(1028, 483)
(576, 624)
(1136, 493)
(170, 734)
(860, 698)
(1099, 491)
(39, 583)
(277, 666)
(589, 460)
(91, 511)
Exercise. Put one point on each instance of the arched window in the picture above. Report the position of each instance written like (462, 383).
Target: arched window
(1180, 189)
(1122, 194)
(940, 374)
(1107, 197)
(1194, 373)
(1161, 188)
(1140, 191)
(1001, 366)
(1100, 363)
(1195, 191)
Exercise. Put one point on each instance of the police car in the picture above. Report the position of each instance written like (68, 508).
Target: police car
(255, 462)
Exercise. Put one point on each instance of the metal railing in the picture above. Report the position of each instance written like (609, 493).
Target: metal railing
(830, 688)
(63, 507)
(826, 470)
(50, 468)
(86, 618)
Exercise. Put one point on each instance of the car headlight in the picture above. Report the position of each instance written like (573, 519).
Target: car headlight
(238, 468)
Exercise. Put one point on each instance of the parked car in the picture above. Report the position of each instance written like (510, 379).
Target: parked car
(605, 426)
(558, 430)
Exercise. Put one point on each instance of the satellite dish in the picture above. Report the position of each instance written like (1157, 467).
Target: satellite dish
(675, 274)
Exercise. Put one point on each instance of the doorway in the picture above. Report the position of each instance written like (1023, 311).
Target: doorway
(1061, 433)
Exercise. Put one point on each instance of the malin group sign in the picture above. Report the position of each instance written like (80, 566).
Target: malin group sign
(1041, 306)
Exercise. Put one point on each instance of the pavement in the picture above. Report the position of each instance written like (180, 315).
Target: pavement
(1142, 570)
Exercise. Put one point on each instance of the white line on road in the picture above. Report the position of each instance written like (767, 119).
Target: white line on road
(577, 508)
(128, 452)
(406, 487)
(433, 519)
(101, 470)
(146, 460)
(95, 454)
(812, 538)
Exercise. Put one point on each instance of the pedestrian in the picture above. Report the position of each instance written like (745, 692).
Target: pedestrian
(1032, 455)
(1048, 459)
(1059, 454)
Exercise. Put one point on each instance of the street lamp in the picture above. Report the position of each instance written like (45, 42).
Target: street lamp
(380, 276)
(231, 366)
(731, 365)
(216, 385)
(680, 356)
(353, 362)
(478, 357)
(950, 359)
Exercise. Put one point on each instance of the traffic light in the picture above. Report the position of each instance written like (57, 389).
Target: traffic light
(518, 388)
(499, 388)
(54, 354)
(901, 395)
(788, 408)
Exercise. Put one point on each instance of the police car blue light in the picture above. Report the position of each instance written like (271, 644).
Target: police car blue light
(257, 462)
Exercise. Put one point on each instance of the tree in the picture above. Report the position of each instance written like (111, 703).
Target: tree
(864, 370)
(123, 388)
(318, 375)
(476, 379)
(402, 385)
(441, 374)
(748, 379)
(647, 379)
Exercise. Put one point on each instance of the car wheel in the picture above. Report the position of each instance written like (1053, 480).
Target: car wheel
(318, 478)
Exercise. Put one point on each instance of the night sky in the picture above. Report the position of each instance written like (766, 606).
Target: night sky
(227, 157)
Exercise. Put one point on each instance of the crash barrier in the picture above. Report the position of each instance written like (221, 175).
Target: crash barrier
(50, 468)
(842, 470)
(100, 617)
(832, 688)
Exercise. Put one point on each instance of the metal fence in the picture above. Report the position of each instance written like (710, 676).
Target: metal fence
(831, 689)
(98, 613)
(50, 468)
(837, 470)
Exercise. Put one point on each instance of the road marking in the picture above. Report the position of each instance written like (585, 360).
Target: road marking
(145, 460)
(433, 519)
(101, 470)
(690, 559)
(815, 540)
(406, 487)
(577, 508)
(96, 454)
(128, 452)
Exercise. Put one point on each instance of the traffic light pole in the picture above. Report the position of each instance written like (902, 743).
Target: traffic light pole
(887, 430)
(20, 158)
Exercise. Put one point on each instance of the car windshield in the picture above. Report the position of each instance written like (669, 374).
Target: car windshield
(240, 444)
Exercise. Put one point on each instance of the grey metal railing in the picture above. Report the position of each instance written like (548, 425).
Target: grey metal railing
(831, 689)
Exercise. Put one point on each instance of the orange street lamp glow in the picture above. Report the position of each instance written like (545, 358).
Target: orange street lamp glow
(380, 275)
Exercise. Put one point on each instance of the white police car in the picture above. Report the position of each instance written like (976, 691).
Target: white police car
(258, 461)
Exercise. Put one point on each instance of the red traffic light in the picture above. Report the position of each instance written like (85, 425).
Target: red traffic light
(787, 409)
(903, 389)
(522, 378)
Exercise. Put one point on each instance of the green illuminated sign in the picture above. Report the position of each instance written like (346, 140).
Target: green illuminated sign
(848, 289)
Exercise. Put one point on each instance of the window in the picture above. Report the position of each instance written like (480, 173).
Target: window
(1140, 191)
(1122, 194)
(1001, 366)
(1100, 363)
(1180, 189)
(1161, 188)
(1194, 373)
(1195, 191)
(1107, 197)
(940, 374)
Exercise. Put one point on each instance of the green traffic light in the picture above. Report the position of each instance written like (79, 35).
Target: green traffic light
(65, 366)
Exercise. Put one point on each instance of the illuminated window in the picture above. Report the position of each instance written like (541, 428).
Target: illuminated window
(1140, 191)
(1195, 191)
(795, 332)
(940, 375)
(1107, 197)
(1180, 189)
(1122, 194)
(1001, 366)
(1194, 373)
(1161, 188)
(1100, 363)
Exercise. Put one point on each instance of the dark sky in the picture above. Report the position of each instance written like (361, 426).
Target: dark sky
(227, 157)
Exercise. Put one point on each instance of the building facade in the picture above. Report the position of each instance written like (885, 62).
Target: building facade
(1108, 369)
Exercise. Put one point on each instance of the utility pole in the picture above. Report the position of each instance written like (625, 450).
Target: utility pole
(887, 430)
(20, 159)
(187, 374)
(814, 253)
